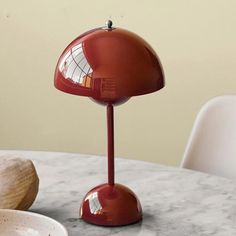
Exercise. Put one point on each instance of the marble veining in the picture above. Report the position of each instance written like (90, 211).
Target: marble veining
(176, 202)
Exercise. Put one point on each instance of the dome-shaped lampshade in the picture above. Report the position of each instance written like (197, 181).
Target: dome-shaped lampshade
(109, 65)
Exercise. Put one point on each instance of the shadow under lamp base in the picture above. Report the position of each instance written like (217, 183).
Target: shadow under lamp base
(111, 205)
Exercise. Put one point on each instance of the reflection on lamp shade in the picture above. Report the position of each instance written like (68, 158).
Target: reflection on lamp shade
(75, 67)
(109, 66)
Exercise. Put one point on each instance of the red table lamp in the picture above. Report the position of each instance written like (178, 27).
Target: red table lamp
(109, 65)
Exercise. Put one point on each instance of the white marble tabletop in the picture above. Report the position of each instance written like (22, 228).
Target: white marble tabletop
(175, 202)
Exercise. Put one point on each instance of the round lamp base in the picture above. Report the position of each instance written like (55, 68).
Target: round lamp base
(111, 205)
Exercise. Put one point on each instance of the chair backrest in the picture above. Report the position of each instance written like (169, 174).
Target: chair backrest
(211, 147)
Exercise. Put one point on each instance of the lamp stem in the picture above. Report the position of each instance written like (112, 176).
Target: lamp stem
(110, 143)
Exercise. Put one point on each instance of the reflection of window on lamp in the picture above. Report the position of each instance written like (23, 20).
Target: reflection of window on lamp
(94, 204)
(108, 87)
(75, 67)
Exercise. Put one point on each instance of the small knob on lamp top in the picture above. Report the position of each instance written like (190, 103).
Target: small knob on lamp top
(109, 24)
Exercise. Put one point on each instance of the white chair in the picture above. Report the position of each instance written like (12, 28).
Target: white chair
(211, 147)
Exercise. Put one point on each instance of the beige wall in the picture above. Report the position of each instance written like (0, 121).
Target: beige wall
(196, 41)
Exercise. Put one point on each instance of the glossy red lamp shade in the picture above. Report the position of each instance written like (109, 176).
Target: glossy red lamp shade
(109, 65)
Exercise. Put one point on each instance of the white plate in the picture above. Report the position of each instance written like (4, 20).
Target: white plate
(22, 223)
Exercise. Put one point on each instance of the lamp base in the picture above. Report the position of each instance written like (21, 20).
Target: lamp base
(111, 205)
